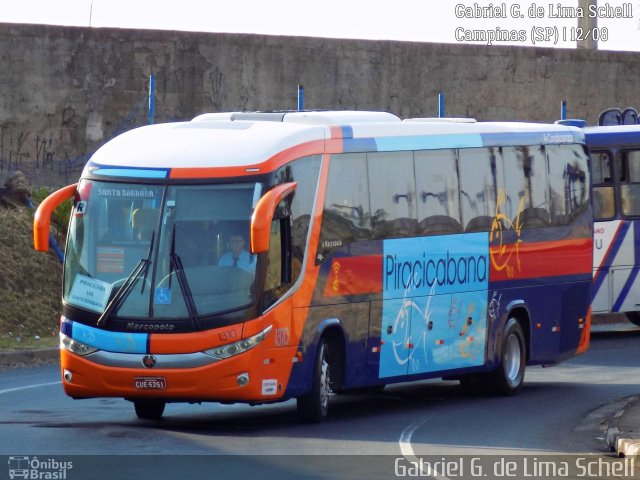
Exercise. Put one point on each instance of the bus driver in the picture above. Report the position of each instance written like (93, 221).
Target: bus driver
(237, 256)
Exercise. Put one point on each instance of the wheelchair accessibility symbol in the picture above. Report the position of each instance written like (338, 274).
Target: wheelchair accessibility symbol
(162, 296)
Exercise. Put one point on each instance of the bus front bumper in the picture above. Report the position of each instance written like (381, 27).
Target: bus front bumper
(258, 375)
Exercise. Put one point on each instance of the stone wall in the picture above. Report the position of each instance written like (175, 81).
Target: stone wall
(66, 90)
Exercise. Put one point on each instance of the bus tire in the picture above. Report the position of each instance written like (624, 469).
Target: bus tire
(634, 317)
(149, 409)
(508, 378)
(314, 406)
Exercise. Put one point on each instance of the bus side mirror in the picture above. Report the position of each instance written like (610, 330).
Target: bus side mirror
(263, 216)
(42, 218)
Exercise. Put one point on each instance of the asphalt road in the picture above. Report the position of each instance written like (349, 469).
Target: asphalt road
(559, 410)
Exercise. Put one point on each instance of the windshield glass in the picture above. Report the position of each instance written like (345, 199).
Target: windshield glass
(185, 248)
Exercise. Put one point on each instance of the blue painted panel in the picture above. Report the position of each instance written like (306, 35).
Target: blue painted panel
(531, 138)
(351, 145)
(610, 138)
(431, 142)
(435, 265)
(110, 341)
(131, 172)
(396, 332)
(430, 289)
(430, 352)
(468, 320)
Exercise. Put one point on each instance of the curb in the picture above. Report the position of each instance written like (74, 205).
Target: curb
(623, 436)
(29, 356)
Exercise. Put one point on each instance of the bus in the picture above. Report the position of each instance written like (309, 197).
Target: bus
(615, 159)
(375, 251)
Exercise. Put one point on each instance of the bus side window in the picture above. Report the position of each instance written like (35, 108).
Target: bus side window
(479, 177)
(604, 207)
(437, 191)
(568, 181)
(346, 215)
(630, 188)
(392, 194)
(527, 202)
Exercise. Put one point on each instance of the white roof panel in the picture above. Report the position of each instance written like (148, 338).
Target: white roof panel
(204, 144)
(240, 139)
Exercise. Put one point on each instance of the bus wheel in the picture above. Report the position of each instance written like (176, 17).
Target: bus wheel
(313, 407)
(508, 378)
(149, 409)
(634, 317)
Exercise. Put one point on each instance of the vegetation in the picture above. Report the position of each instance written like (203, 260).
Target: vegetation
(30, 282)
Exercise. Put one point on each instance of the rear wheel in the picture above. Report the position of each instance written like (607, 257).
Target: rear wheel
(313, 407)
(149, 409)
(508, 378)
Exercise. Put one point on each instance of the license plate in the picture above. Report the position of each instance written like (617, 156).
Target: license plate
(150, 383)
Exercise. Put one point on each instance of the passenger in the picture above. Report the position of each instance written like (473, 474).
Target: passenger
(237, 256)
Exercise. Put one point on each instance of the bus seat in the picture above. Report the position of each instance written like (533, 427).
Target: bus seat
(439, 225)
(397, 228)
(482, 223)
(144, 222)
(533, 217)
(195, 243)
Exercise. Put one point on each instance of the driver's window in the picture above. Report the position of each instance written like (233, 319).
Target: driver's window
(274, 268)
(278, 279)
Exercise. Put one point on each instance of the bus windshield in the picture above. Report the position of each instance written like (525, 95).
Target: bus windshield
(160, 252)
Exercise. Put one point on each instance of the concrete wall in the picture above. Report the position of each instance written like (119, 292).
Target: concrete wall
(64, 90)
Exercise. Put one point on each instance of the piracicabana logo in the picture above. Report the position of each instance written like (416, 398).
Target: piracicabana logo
(38, 469)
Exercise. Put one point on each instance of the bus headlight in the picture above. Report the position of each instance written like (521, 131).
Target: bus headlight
(68, 343)
(241, 346)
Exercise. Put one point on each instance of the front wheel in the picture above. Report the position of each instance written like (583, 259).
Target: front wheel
(149, 409)
(313, 406)
(508, 378)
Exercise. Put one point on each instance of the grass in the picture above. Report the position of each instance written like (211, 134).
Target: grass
(30, 285)
(8, 343)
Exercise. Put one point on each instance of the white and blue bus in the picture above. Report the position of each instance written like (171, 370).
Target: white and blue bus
(615, 159)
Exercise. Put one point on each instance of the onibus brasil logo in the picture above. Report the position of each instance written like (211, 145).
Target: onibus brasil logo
(40, 469)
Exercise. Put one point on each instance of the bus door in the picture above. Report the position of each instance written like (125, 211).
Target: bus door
(615, 289)
(626, 284)
(616, 282)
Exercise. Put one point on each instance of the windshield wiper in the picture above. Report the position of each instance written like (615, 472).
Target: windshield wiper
(175, 265)
(127, 286)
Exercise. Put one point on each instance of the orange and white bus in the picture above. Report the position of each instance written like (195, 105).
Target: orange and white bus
(259, 257)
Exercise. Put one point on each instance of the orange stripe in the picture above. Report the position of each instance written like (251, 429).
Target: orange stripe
(276, 161)
(336, 131)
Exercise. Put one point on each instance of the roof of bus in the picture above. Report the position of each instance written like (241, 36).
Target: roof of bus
(239, 140)
(611, 136)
